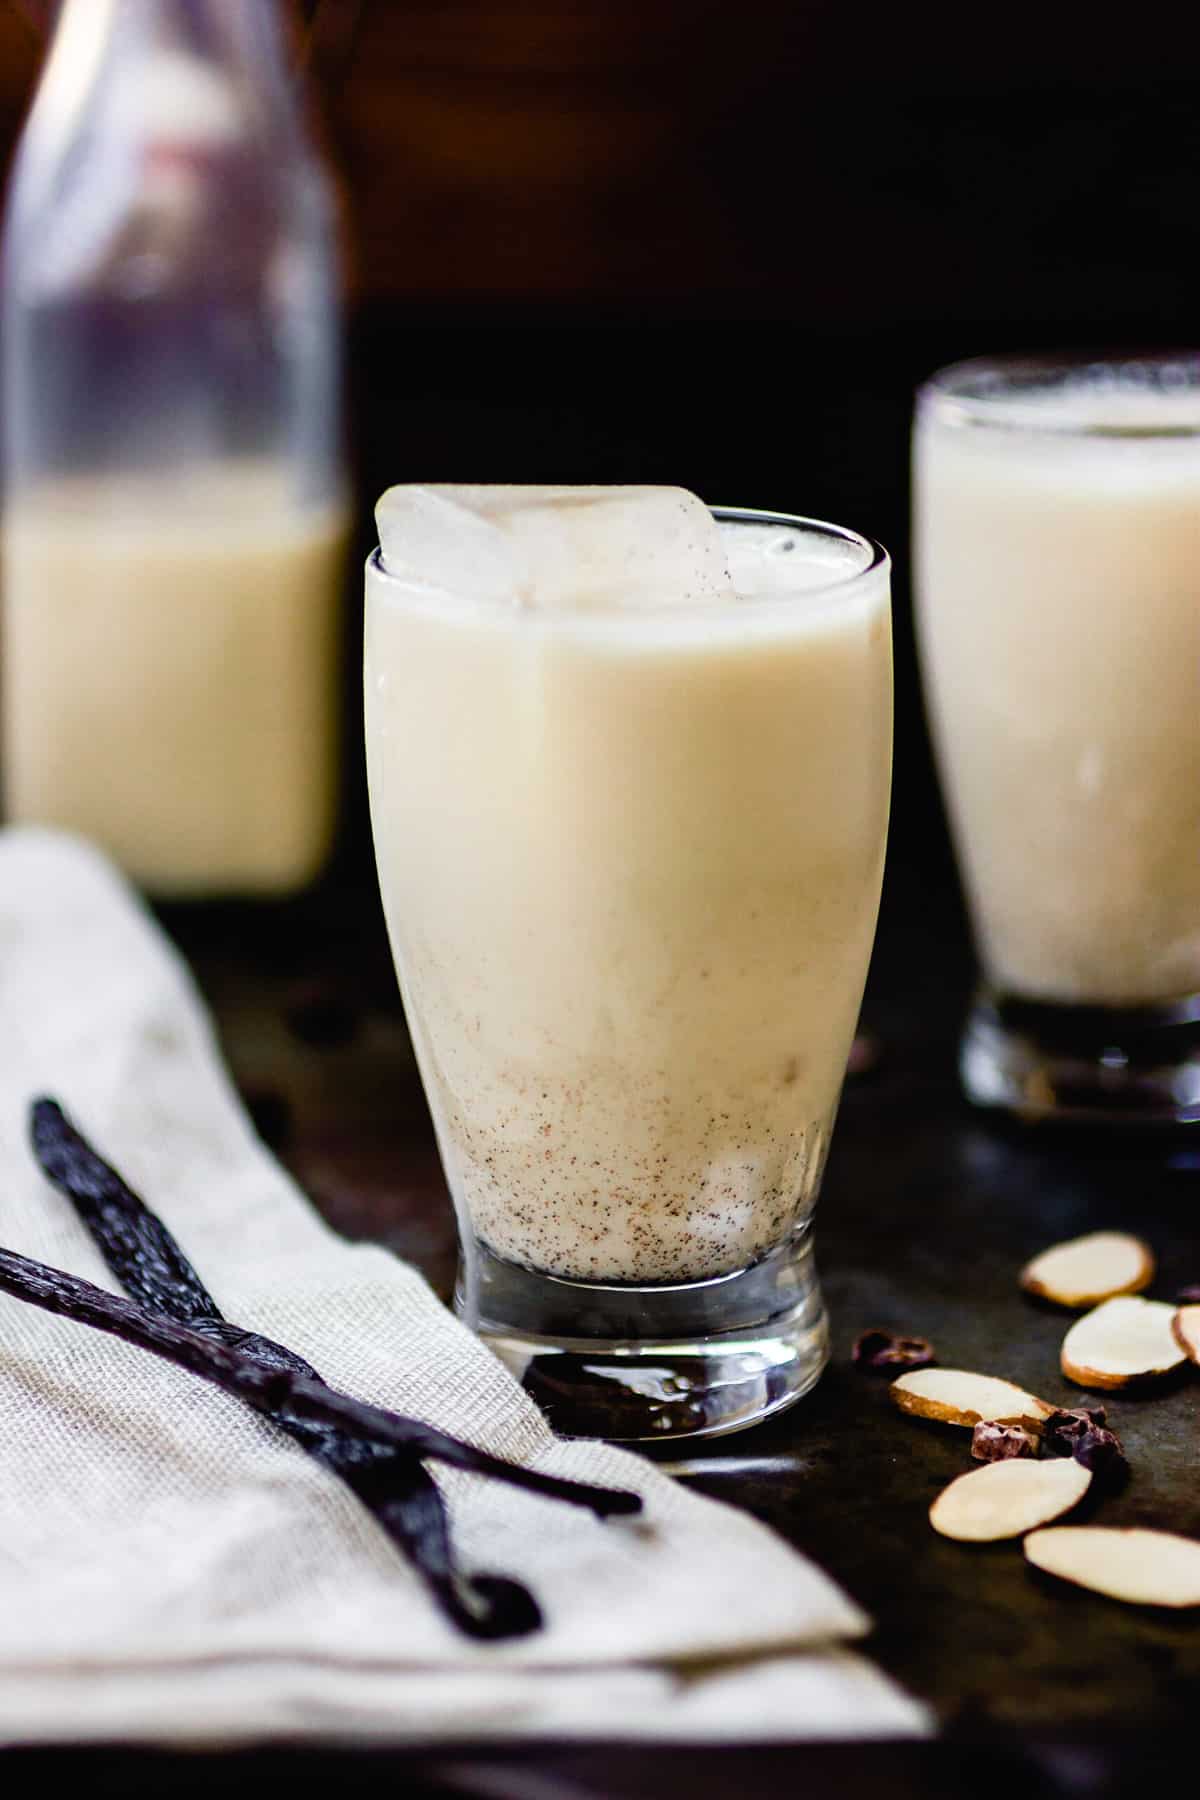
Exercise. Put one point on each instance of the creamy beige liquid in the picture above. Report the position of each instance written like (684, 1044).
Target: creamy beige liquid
(631, 869)
(1059, 617)
(170, 684)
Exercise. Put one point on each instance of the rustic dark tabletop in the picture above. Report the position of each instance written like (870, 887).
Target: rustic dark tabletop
(927, 1214)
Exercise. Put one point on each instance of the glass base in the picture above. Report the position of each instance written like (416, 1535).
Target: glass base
(1095, 1064)
(652, 1363)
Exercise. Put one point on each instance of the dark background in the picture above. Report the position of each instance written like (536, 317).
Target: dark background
(714, 244)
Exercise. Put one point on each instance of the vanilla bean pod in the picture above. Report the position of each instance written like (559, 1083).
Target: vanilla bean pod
(282, 1392)
(392, 1484)
(136, 1245)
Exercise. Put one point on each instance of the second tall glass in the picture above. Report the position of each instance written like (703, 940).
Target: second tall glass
(1057, 537)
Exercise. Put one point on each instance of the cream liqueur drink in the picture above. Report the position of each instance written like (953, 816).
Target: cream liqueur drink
(629, 778)
(170, 674)
(1058, 561)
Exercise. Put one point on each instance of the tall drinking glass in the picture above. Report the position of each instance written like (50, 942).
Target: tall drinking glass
(631, 863)
(1057, 544)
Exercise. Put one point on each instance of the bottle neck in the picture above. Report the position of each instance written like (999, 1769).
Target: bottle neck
(244, 34)
(184, 67)
(127, 80)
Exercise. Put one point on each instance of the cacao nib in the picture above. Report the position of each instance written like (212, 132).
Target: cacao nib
(992, 1441)
(1064, 1428)
(1102, 1452)
(885, 1350)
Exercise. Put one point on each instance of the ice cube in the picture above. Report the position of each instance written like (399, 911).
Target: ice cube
(430, 538)
(573, 548)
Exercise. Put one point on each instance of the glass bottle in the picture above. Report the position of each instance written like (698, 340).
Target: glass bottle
(174, 504)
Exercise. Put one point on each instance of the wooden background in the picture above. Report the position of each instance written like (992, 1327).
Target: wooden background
(837, 164)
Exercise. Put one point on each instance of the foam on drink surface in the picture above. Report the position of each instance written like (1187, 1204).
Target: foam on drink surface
(768, 559)
(1101, 399)
(1103, 428)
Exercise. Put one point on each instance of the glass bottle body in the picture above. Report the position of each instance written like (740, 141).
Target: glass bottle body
(174, 503)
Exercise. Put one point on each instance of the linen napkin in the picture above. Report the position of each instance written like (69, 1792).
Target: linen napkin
(173, 1568)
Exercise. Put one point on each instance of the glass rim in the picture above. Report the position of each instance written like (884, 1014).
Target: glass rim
(969, 392)
(877, 556)
(878, 563)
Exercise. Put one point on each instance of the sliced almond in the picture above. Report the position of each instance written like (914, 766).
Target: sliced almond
(1092, 1268)
(1148, 1568)
(1120, 1341)
(1005, 1499)
(957, 1397)
(1185, 1327)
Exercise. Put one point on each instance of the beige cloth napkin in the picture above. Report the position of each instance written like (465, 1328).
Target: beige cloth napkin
(172, 1568)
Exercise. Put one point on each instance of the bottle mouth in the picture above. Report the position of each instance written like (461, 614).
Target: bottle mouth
(1138, 397)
